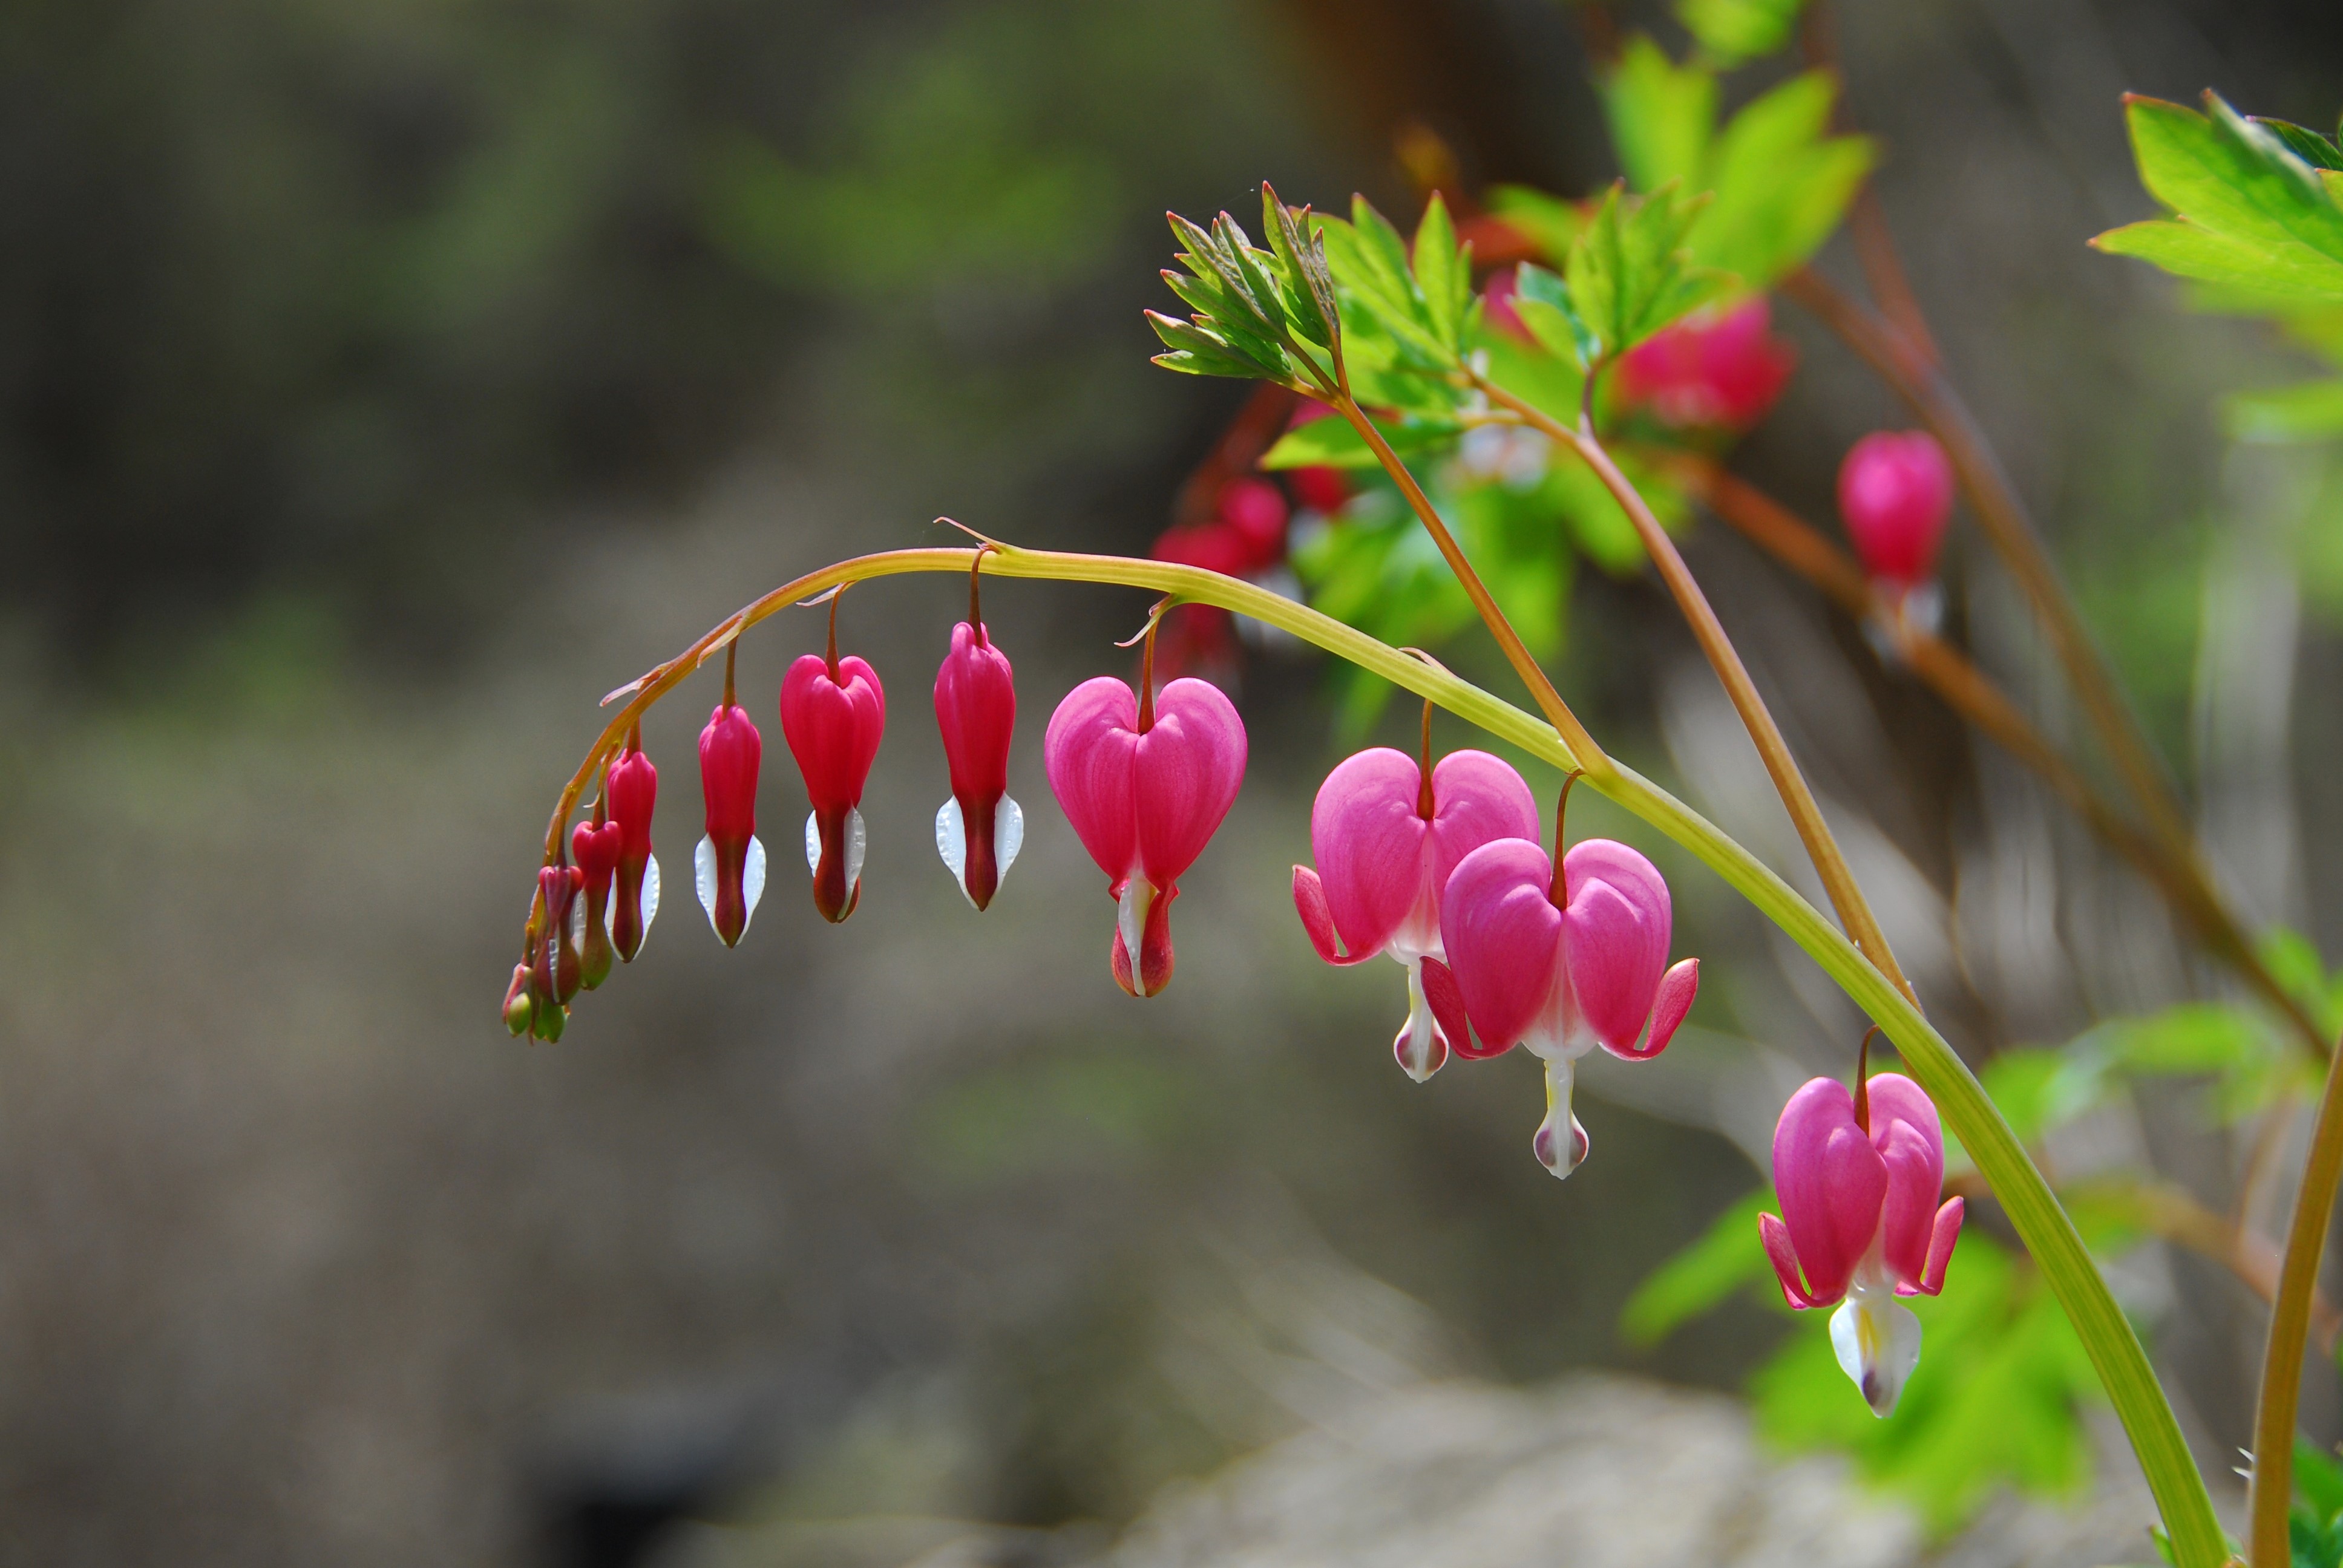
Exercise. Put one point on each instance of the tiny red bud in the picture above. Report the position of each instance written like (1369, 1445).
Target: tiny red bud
(1895, 493)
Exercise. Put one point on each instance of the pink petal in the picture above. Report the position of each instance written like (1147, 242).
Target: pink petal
(1914, 1178)
(1784, 1258)
(1090, 753)
(1310, 903)
(1678, 987)
(976, 711)
(1831, 1182)
(1896, 1097)
(1447, 1003)
(1369, 844)
(1615, 939)
(1187, 773)
(1504, 939)
(1942, 1235)
(833, 726)
(1477, 800)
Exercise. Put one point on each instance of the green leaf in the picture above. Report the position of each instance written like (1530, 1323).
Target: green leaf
(1377, 291)
(2317, 1478)
(1629, 275)
(1542, 302)
(1661, 115)
(2317, 151)
(1197, 351)
(1550, 223)
(2310, 412)
(1781, 183)
(2250, 211)
(1733, 30)
(1728, 1256)
(1334, 443)
(1308, 288)
(1444, 276)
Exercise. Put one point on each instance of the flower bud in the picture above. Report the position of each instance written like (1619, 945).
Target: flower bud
(633, 791)
(979, 828)
(596, 847)
(730, 861)
(559, 885)
(833, 715)
(1896, 492)
(518, 1006)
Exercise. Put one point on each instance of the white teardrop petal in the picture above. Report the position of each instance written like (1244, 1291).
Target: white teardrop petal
(650, 891)
(703, 864)
(813, 841)
(578, 921)
(1008, 835)
(856, 840)
(752, 882)
(951, 843)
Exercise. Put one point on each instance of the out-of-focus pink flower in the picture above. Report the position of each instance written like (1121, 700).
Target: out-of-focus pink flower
(1560, 965)
(1860, 1221)
(979, 828)
(1145, 783)
(1716, 369)
(1896, 492)
(731, 860)
(1255, 511)
(1318, 488)
(833, 715)
(1386, 836)
(1497, 303)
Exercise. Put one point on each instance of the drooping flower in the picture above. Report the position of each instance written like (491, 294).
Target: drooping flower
(1386, 831)
(731, 860)
(1896, 492)
(833, 714)
(595, 846)
(979, 828)
(1716, 369)
(633, 791)
(552, 962)
(1858, 1181)
(1560, 964)
(1145, 779)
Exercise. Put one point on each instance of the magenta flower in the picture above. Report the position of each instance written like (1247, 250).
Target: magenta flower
(1896, 492)
(731, 861)
(979, 828)
(595, 846)
(833, 715)
(1385, 835)
(1714, 369)
(633, 790)
(1560, 964)
(1145, 783)
(1858, 1183)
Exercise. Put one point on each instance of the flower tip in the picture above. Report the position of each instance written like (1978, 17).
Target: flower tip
(1549, 1149)
(1144, 915)
(518, 1006)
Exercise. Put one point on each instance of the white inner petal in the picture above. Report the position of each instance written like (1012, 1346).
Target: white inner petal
(703, 866)
(650, 891)
(813, 840)
(752, 882)
(1008, 834)
(1418, 1061)
(578, 922)
(1131, 918)
(1878, 1341)
(951, 843)
(857, 839)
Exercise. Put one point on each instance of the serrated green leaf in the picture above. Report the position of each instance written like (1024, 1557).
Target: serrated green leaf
(2310, 412)
(1727, 1257)
(1629, 275)
(1733, 31)
(2307, 144)
(1334, 443)
(2249, 211)
(1661, 115)
(1549, 222)
(1543, 303)
(1197, 351)
(1307, 290)
(1781, 184)
(1443, 275)
(1374, 289)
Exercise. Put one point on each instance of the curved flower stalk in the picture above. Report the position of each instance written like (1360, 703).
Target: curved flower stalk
(979, 828)
(833, 716)
(1859, 1176)
(1145, 779)
(1386, 831)
(1560, 960)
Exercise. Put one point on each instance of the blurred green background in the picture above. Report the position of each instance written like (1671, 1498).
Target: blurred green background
(380, 383)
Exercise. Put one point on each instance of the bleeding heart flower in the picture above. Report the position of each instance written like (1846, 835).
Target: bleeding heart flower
(833, 714)
(1387, 832)
(633, 791)
(1144, 781)
(595, 846)
(979, 828)
(1860, 1179)
(1896, 492)
(1714, 369)
(731, 861)
(1559, 964)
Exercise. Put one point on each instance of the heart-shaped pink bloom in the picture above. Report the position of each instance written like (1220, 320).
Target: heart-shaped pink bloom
(1896, 492)
(979, 828)
(596, 847)
(1144, 801)
(1559, 970)
(1860, 1221)
(731, 861)
(833, 715)
(1386, 846)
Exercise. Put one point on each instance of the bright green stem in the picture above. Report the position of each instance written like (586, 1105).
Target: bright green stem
(2107, 1335)
(2297, 1280)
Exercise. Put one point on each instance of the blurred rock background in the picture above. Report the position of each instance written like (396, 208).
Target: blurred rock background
(381, 384)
